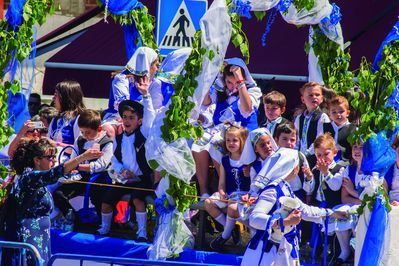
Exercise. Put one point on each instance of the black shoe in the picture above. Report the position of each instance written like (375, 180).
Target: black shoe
(217, 243)
(236, 235)
(141, 239)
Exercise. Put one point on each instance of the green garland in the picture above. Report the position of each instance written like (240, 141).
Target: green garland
(34, 12)
(238, 37)
(144, 23)
(303, 4)
(333, 61)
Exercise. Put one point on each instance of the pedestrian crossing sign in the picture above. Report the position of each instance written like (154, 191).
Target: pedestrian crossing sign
(177, 22)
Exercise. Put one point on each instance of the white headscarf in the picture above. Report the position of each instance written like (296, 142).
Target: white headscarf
(173, 65)
(140, 62)
(248, 152)
(277, 167)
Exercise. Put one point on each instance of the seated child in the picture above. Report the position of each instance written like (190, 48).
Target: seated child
(274, 106)
(277, 212)
(233, 182)
(129, 161)
(92, 137)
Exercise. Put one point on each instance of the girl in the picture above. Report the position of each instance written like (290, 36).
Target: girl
(232, 183)
(275, 242)
(237, 99)
(68, 100)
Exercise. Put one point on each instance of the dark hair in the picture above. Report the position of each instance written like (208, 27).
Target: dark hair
(71, 97)
(286, 128)
(35, 95)
(27, 151)
(275, 97)
(89, 119)
(48, 113)
(223, 95)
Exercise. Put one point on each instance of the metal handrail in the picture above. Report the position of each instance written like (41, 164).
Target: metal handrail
(18, 245)
(119, 260)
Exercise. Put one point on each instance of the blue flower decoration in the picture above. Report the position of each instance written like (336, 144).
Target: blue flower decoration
(335, 16)
(270, 20)
(283, 5)
(160, 205)
(242, 7)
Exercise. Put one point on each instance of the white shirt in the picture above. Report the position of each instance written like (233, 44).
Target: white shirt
(128, 150)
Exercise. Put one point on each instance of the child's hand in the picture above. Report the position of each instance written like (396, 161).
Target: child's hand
(246, 170)
(347, 184)
(322, 166)
(293, 218)
(395, 203)
(307, 172)
(222, 194)
(92, 154)
(28, 126)
(127, 174)
(340, 215)
(142, 84)
(236, 70)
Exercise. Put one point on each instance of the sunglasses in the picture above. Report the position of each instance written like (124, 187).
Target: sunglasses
(39, 130)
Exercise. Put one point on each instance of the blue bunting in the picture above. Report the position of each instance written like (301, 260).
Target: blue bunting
(378, 155)
(121, 7)
(14, 14)
(270, 20)
(374, 239)
(283, 5)
(242, 7)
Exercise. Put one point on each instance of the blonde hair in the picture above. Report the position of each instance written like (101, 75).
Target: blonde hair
(238, 131)
(338, 100)
(325, 140)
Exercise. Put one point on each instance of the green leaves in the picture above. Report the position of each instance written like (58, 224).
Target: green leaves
(303, 4)
(183, 194)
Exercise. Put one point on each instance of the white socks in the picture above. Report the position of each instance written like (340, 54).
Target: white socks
(343, 239)
(141, 218)
(228, 228)
(221, 219)
(106, 220)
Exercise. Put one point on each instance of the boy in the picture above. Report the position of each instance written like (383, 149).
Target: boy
(274, 105)
(326, 183)
(310, 123)
(92, 137)
(340, 128)
(285, 136)
(129, 159)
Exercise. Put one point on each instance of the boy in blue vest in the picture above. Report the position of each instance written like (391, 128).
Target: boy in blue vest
(274, 106)
(310, 122)
(129, 160)
(92, 137)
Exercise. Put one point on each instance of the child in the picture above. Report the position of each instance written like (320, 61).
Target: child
(340, 128)
(92, 137)
(326, 183)
(274, 105)
(129, 160)
(275, 242)
(392, 176)
(286, 137)
(232, 183)
(310, 123)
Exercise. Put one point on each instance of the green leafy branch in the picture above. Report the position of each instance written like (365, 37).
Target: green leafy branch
(238, 37)
(301, 5)
(144, 23)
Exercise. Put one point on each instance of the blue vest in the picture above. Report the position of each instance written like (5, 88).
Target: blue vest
(167, 91)
(235, 179)
(67, 131)
(251, 122)
(134, 94)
